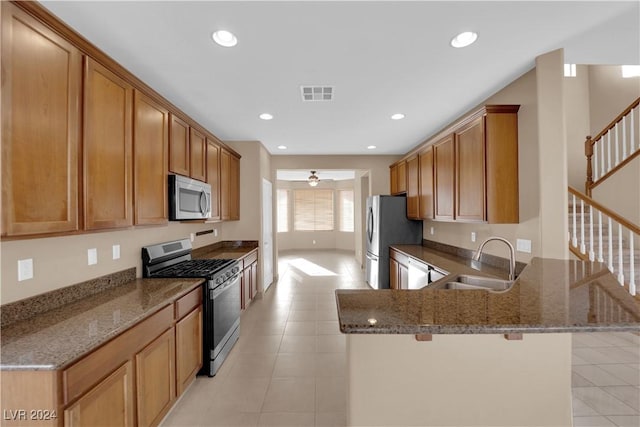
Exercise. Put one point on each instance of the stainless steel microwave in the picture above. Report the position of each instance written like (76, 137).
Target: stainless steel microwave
(188, 198)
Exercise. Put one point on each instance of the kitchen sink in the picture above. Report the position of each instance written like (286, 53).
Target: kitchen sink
(464, 281)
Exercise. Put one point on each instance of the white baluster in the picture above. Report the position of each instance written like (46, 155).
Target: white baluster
(601, 144)
(583, 247)
(633, 131)
(608, 150)
(624, 137)
(620, 272)
(632, 268)
(617, 150)
(595, 164)
(600, 258)
(574, 242)
(592, 254)
(610, 246)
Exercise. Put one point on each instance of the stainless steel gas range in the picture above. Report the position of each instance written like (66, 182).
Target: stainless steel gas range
(221, 294)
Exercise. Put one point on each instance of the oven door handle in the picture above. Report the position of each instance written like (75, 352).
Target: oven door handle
(219, 290)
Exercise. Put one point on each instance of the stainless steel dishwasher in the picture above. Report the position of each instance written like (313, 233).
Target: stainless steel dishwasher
(422, 274)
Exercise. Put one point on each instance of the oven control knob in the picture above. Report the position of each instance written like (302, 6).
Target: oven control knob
(218, 280)
(236, 269)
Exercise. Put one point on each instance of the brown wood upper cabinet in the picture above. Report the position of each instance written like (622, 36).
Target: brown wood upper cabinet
(197, 155)
(179, 160)
(150, 145)
(107, 148)
(213, 176)
(444, 177)
(41, 94)
(398, 177)
(413, 194)
(425, 187)
(469, 171)
(229, 186)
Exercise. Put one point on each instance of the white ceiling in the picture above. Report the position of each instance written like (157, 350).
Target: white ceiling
(382, 57)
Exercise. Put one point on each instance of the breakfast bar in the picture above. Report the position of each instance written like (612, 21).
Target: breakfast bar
(476, 357)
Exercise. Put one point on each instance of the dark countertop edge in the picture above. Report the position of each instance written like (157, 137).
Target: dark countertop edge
(224, 246)
(104, 339)
(481, 330)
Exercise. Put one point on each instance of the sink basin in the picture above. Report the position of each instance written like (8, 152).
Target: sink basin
(464, 281)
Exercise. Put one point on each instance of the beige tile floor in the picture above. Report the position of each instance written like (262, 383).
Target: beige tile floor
(288, 367)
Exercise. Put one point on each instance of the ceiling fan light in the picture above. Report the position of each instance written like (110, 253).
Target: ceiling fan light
(313, 180)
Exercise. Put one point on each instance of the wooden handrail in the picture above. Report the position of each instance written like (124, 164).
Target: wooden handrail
(615, 121)
(608, 212)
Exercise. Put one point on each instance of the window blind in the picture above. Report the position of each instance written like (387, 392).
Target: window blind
(283, 211)
(313, 210)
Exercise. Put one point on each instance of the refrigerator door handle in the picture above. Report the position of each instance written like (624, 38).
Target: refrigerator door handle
(370, 225)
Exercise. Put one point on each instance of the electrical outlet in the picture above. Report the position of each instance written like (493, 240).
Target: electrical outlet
(116, 251)
(92, 256)
(25, 269)
(523, 245)
(432, 231)
(314, 242)
(473, 236)
(215, 232)
(192, 236)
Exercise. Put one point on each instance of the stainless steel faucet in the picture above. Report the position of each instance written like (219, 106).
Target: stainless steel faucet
(512, 254)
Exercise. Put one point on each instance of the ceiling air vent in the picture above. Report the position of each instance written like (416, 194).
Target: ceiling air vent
(316, 93)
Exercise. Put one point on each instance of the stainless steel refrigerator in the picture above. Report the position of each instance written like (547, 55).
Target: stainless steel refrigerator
(387, 224)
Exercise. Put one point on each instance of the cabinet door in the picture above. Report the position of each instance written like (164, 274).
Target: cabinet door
(425, 190)
(179, 146)
(412, 188)
(402, 177)
(394, 275)
(213, 177)
(245, 291)
(197, 155)
(254, 280)
(155, 381)
(470, 195)
(444, 177)
(229, 186)
(150, 146)
(109, 401)
(108, 102)
(393, 179)
(41, 89)
(188, 348)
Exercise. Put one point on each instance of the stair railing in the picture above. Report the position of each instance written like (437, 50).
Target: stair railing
(587, 241)
(614, 147)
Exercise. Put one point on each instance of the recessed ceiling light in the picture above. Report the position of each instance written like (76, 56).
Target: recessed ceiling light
(225, 38)
(464, 39)
(282, 147)
(266, 116)
(397, 116)
(371, 147)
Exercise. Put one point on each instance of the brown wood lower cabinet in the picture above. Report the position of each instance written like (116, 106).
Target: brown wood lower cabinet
(155, 379)
(398, 270)
(110, 400)
(132, 380)
(249, 278)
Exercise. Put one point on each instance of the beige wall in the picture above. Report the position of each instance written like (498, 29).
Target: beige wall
(523, 92)
(576, 96)
(335, 239)
(62, 261)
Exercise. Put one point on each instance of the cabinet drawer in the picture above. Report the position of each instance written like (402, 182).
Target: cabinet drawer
(188, 302)
(250, 259)
(90, 370)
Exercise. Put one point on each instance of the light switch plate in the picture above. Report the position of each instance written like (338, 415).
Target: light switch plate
(92, 256)
(192, 236)
(215, 232)
(523, 245)
(116, 251)
(473, 236)
(25, 269)
(432, 231)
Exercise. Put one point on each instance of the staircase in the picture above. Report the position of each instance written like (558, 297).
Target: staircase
(597, 233)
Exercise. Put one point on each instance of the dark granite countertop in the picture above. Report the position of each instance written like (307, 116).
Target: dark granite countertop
(226, 249)
(548, 296)
(56, 338)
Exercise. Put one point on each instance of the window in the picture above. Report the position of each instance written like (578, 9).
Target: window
(313, 210)
(283, 211)
(345, 204)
